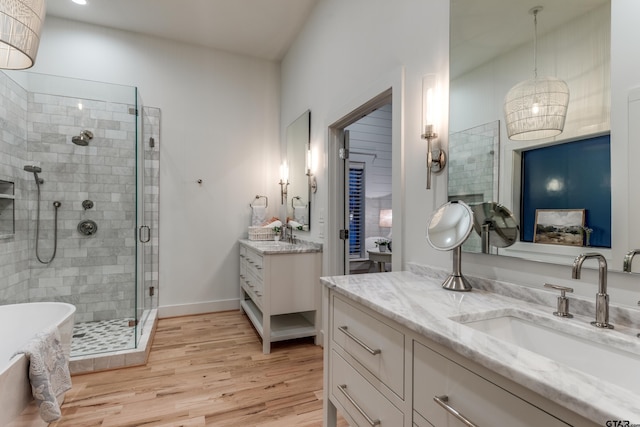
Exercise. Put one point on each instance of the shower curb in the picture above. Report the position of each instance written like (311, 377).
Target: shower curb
(117, 359)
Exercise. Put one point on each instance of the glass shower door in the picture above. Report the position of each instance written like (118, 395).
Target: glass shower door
(147, 218)
(143, 234)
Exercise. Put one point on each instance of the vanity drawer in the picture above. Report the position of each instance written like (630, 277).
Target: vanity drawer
(373, 343)
(480, 401)
(359, 398)
(254, 260)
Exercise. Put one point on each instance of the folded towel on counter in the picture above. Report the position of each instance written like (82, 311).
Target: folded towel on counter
(296, 225)
(48, 372)
(258, 215)
(276, 223)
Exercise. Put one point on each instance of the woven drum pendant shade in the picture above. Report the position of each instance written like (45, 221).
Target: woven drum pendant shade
(20, 26)
(536, 108)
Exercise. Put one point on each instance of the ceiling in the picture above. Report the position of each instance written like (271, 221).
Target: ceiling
(258, 28)
(266, 28)
(482, 30)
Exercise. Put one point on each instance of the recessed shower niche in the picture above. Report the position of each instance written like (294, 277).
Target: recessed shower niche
(7, 215)
(87, 140)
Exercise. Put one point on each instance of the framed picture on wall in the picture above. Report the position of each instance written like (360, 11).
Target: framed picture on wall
(559, 226)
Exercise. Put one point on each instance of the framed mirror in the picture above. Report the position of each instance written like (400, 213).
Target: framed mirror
(492, 50)
(299, 193)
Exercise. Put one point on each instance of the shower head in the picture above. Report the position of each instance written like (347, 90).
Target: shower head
(35, 170)
(83, 139)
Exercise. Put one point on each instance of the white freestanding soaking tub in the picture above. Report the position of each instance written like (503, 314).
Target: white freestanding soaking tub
(18, 324)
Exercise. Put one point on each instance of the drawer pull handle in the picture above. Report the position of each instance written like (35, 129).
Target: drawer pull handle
(442, 401)
(359, 341)
(343, 389)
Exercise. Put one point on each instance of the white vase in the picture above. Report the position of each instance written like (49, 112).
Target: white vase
(382, 248)
(276, 238)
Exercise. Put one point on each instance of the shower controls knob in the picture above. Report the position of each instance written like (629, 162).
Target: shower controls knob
(87, 227)
(87, 204)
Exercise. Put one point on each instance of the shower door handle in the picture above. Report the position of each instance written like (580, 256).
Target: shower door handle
(148, 237)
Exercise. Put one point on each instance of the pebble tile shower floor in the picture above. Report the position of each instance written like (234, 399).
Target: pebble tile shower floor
(102, 336)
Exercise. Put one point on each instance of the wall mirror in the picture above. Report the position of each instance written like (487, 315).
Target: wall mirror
(299, 193)
(491, 49)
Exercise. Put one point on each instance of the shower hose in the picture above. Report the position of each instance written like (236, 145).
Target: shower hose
(56, 205)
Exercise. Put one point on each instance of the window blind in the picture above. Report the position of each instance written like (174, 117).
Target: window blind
(356, 210)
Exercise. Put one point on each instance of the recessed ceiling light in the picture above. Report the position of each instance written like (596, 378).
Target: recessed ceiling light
(79, 1)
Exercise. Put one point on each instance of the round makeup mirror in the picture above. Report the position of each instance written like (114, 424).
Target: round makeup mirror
(448, 228)
(495, 224)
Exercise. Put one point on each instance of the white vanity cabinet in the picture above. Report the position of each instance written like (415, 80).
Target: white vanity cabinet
(381, 373)
(475, 399)
(280, 291)
(367, 366)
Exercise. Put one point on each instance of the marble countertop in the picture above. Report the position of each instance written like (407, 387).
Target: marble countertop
(270, 247)
(417, 301)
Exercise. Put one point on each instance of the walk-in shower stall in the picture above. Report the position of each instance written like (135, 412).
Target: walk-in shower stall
(83, 160)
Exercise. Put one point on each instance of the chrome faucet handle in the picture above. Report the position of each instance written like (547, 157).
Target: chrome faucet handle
(628, 259)
(563, 301)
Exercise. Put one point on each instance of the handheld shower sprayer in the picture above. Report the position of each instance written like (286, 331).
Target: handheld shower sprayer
(56, 205)
(35, 170)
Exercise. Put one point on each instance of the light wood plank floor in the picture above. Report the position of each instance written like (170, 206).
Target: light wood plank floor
(205, 370)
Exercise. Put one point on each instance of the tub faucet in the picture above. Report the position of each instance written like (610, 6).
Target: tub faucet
(628, 259)
(602, 299)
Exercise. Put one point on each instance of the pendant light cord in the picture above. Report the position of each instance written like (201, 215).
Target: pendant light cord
(535, 11)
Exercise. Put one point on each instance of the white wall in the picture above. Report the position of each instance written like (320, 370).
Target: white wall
(219, 124)
(349, 47)
(349, 52)
(370, 144)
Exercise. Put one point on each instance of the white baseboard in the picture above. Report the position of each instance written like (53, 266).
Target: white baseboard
(198, 308)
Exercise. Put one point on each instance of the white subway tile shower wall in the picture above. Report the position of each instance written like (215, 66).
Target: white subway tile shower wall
(96, 273)
(14, 251)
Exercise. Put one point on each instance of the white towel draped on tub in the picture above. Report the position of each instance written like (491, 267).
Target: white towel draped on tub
(48, 372)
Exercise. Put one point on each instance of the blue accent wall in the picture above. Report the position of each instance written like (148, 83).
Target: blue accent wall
(572, 175)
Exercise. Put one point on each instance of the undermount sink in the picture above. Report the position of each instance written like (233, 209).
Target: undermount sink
(555, 339)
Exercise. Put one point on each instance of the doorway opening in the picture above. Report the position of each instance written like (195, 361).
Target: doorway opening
(361, 155)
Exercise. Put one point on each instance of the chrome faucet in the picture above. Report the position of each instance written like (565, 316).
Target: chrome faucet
(602, 299)
(628, 259)
(288, 234)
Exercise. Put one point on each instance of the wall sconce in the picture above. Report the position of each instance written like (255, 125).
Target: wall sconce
(20, 35)
(313, 184)
(284, 182)
(436, 161)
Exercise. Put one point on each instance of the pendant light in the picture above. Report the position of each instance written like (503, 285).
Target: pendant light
(20, 26)
(536, 108)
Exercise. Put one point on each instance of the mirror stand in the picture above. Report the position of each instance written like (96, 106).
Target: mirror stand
(456, 281)
(449, 227)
